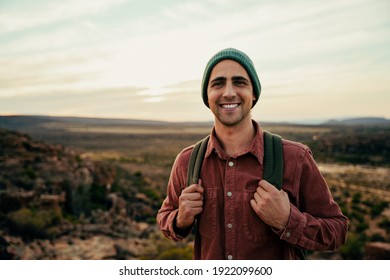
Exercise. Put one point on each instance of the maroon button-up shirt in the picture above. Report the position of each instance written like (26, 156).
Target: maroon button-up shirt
(228, 227)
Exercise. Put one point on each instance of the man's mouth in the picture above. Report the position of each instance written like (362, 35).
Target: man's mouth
(229, 106)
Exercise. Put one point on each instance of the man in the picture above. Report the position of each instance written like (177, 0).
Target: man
(238, 214)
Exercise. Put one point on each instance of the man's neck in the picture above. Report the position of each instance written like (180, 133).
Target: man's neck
(235, 139)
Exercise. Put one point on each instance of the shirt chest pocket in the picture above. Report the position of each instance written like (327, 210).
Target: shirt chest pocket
(207, 221)
(255, 230)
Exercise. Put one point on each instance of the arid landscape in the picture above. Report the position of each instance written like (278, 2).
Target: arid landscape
(74, 188)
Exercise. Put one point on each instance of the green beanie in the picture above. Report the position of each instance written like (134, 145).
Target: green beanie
(239, 57)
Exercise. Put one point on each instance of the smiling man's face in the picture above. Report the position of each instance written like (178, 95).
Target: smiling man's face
(230, 93)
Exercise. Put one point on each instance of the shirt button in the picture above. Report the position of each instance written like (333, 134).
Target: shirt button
(288, 234)
(230, 257)
(229, 225)
(229, 194)
(231, 164)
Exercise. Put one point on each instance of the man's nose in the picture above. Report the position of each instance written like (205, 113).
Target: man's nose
(229, 91)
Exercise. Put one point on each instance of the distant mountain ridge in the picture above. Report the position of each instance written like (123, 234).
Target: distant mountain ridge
(15, 121)
(359, 121)
(37, 119)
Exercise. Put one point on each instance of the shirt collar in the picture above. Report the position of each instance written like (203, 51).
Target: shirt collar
(256, 148)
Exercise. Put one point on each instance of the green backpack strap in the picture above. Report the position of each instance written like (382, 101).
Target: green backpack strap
(196, 160)
(273, 165)
(273, 159)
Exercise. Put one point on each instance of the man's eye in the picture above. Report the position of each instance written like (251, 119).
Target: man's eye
(217, 84)
(240, 82)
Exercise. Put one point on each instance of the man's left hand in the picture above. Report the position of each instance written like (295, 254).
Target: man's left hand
(271, 205)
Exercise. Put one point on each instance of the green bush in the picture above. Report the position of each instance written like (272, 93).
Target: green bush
(376, 237)
(368, 203)
(161, 248)
(346, 193)
(353, 249)
(356, 198)
(385, 224)
(178, 253)
(361, 227)
(97, 198)
(355, 215)
(378, 208)
(31, 223)
(138, 179)
(30, 172)
(154, 195)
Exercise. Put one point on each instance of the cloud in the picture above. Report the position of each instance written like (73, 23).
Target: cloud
(43, 13)
(301, 50)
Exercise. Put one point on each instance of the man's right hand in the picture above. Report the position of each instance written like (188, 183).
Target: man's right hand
(190, 205)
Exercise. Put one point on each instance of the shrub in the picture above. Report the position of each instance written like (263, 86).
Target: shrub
(361, 227)
(152, 194)
(353, 249)
(356, 216)
(34, 223)
(161, 248)
(385, 224)
(378, 208)
(30, 172)
(356, 198)
(346, 193)
(180, 253)
(376, 237)
(98, 198)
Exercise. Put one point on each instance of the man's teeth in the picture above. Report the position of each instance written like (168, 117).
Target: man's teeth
(229, 106)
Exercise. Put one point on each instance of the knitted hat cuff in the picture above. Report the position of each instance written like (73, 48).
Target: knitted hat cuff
(240, 58)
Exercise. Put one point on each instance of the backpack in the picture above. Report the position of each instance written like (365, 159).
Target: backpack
(273, 160)
(272, 172)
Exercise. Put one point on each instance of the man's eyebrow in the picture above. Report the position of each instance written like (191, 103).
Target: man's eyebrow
(235, 78)
(217, 79)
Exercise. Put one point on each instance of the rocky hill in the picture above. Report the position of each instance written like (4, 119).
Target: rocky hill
(99, 199)
(55, 204)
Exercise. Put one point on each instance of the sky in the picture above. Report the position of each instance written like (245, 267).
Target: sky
(137, 59)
